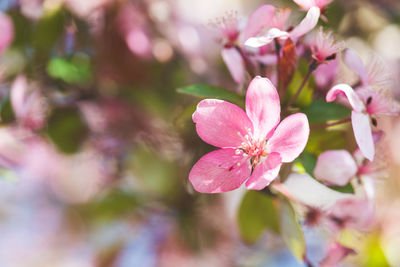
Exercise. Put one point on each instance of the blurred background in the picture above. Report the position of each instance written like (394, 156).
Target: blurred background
(96, 144)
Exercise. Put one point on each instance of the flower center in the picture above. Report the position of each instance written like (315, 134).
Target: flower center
(252, 148)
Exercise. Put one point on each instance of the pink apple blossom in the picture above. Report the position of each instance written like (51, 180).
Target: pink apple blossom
(346, 214)
(335, 254)
(365, 103)
(324, 46)
(307, 4)
(253, 143)
(327, 207)
(335, 167)
(231, 35)
(7, 31)
(276, 29)
(325, 75)
(134, 29)
(372, 74)
(338, 167)
(29, 106)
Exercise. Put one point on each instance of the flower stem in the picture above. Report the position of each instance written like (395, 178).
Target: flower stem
(249, 66)
(278, 62)
(330, 124)
(313, 66)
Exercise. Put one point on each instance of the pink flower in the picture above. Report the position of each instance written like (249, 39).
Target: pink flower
(353, 212)
(336, 253)
(373, 74)
(338, 167)
(29, 107)
(276, 29)
(335, 167)
(327, 207)
(365, 104)
(307, 4)
(228, 28)
(7, 31)
(326, 74)
(231, 36)
(253, 143)
(133, 27)
(324, 47)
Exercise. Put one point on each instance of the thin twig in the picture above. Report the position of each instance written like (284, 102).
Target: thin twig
(296, 95)
(278, 62)
(330, 124)
(313, 66)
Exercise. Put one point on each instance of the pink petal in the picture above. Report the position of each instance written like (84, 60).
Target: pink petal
(381, 101)
(307, 24)
(336, 253)
(325, 74)
(363, 134)
(221, 123)
(234, 61)
(7, 31)
(348, 211)
(138, 42)
(322, 3)
(219, 171)
(355, 102)
(290, 137)
(306, 190)
(355, 63)
(335, 167)
(262, 106)
(306, 4)
(265, 172)
(260, 18)
(18, 96)
(273, 33)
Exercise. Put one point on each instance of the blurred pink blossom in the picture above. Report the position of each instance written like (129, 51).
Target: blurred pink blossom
(335, 254)
(307, 4)
(231, 35)
(7, 31)
(365, 104)
(335, 167)
(242, 137)
(133, 26)
(326, 74)
(29, 107)
(356, 212)
(86, 8)
(373, 74)
(32, 9)
(338, 167)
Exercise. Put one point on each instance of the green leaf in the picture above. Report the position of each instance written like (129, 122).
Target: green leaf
(184, 116)
(211, 91)
(257, 212)
(305, 97)
(343, 189)
(321, 140)
(291, 231)
(6, 111)
(109, 207)
(321, 111)
(76, 70)
(308, 161)
(49, 29)
(67, 129)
